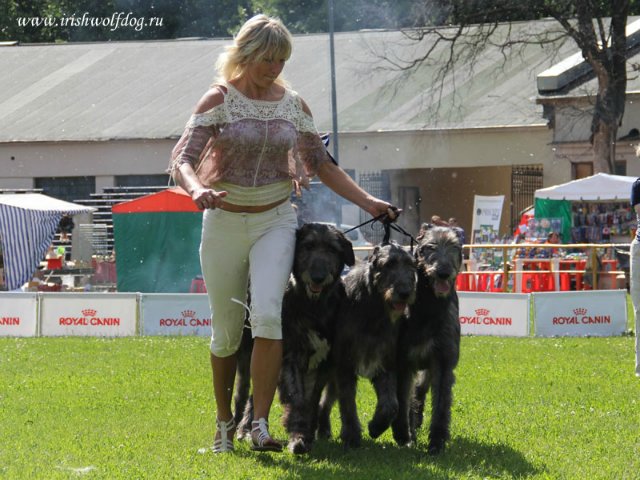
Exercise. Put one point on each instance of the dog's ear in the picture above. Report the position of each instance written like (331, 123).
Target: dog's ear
(348, 257)
(374, 254)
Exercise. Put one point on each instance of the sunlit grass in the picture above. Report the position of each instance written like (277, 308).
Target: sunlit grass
(564, 408)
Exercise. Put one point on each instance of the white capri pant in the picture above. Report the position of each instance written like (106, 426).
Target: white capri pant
(634, 290)
(234, 248)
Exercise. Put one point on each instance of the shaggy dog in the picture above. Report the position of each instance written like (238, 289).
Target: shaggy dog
(378, 293)
(309, 308)
(309, 312)
(429, 344)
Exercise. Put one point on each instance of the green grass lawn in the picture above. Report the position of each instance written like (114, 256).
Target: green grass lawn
(565, 408)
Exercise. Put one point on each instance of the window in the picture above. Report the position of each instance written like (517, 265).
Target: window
(161, 180)
(67, 188)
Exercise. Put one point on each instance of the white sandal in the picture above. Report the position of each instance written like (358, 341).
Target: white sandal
(261, 441)
(225, 442)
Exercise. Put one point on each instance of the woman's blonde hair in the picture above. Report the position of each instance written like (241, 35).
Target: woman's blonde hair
(261, 37)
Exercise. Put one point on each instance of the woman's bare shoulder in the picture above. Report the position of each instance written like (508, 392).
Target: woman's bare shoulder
(211, 99)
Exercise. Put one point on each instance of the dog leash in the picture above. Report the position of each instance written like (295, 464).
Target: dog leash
(388, 225)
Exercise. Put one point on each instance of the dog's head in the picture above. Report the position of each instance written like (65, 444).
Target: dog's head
(393, 275)
(439, 258)
(321, 253)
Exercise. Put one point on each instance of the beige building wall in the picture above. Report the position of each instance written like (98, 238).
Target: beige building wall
(449, 167)
(482, 147)
(22, 162)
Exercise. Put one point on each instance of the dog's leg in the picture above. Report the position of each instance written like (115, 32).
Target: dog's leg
(329, 396)
(400, 426)
(297, 424)
(314, 404)
(291, 393)
(441, 399)
(351, 431)
(416, 416)
(241, 399)
(385, 385)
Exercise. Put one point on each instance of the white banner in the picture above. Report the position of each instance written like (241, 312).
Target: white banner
(487, 211)
(501, 314)
(175, 314)
(18, 314)
(88, 314)
(581, 313)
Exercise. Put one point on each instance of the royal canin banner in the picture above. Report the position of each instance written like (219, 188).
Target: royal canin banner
(18, 314)
(88, 314)
(501, 314)
(578, 314)
(175, 314)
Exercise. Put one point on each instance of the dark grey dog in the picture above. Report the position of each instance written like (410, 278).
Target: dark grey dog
(309, 311)
(429, 344)
(309, 308)
(378, 295)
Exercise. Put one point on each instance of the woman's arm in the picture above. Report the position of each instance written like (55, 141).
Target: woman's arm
(185, 175)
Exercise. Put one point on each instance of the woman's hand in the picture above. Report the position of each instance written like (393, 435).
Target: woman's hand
(207, 198)
(380, 207)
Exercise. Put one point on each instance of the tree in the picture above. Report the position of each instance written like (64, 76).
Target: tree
(596, 26)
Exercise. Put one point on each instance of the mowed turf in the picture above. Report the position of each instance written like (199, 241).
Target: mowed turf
(542, 408)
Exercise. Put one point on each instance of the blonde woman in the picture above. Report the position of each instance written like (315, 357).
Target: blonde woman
(250, 140)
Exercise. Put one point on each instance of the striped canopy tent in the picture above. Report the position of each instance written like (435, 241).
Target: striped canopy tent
(28, 223)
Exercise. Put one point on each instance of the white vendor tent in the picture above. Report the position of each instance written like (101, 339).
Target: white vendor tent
(598, 187)
(28, 223)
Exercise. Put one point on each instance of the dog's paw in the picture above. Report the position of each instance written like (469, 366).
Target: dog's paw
(324, 430)
(298, 445)
(351, 441)
(436, 446)
(403, 438)
(377, 428)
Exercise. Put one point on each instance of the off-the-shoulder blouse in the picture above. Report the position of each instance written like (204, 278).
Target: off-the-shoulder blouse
(251, 143)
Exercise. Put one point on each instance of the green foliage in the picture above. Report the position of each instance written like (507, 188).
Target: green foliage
(142, 407)
(311, 16)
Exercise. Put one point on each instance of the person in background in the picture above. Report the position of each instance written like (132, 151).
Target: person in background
(250, 141)
(65, 227)
(437, 221)
(453, 224)
(634, 282)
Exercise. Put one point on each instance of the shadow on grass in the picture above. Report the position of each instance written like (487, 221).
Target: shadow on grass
(381, 460)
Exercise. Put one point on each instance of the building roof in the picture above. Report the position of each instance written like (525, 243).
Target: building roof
(573, 77)
(147, 90)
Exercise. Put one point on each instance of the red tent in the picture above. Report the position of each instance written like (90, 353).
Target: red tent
(170, 200)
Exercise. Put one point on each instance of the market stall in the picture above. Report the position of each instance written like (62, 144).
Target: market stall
(588, 210)
(28, 223)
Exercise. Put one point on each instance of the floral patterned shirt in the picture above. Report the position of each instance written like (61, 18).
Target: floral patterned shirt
(251, 143)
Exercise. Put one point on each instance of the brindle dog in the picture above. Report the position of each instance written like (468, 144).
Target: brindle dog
(429, 344)
(309, 308)
(378, 294)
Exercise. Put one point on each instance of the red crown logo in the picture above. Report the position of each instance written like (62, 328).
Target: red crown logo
(580, 311)
(188, 313)
(88, 312)
(482, 311)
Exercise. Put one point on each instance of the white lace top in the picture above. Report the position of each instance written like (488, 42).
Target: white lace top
(251, 143)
